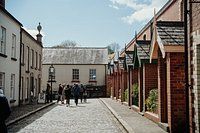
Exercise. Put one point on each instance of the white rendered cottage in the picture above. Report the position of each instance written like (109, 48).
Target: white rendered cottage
(9, 55)
(83, 65)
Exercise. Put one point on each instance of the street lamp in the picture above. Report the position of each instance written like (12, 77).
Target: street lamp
(51, 77)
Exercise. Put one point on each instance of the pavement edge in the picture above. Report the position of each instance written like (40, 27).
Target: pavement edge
(28, 114)
(118, 117)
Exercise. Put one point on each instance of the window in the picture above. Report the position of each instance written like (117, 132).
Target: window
(2, 81)
(36, 60)
(22, 53)
(22, 88)
(27, 86)
(3, 41)
(32, 58)
(40, 61)
(35, 87)
(92, 74)
(75, 74)
(27, 59)
(12, 86)
(13, 50)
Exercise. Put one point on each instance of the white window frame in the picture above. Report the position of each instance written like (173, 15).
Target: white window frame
(32, 58)
(26, 89)
(39, 61)
(75, 74)
(22, 53)
(92, 74)
(27, 58)
(13, 50)
(3, 41)
(12, 87)
(2, 81)
(22, 88)
(36, 60)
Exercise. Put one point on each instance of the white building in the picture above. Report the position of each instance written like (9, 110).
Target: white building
(83, 65)
(31, 70)
(9, 55)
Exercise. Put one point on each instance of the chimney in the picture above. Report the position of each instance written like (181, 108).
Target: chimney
(2, 3)
(39, 36)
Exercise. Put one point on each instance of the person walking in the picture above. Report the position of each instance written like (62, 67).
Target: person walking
(76, 92)
(81, 92)
(4, 112)
(60, 92)
(48, 93)
(85, 94)
(67, 95)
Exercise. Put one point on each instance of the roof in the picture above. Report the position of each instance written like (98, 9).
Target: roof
(171, 33)
(75, 55)
(30, 36)
(7, 13)
(143, 49)
(158, 14)
(168, 36)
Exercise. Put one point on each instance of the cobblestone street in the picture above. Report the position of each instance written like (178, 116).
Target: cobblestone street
(90, 117)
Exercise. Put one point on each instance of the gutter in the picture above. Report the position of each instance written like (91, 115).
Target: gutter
(186, 66)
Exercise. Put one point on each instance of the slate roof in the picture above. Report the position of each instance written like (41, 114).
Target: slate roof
(76, 55)
(171, 33)
(143, 49)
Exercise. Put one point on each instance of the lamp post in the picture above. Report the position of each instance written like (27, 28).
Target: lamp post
(51, 78)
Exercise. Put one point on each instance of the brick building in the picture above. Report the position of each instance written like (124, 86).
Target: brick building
(194, 64)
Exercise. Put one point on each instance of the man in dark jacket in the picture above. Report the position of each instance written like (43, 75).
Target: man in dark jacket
(76, 92)
(4, 112)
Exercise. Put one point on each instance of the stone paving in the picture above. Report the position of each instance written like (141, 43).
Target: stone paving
(90, 117)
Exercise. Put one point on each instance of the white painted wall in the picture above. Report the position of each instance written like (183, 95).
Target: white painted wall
(7, 65)
(63, 74)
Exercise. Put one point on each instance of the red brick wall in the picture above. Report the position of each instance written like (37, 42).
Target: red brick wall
(108, 85)
(162, 90)
(176, 92)
(140, 88)
(150, 78)
(134, 76)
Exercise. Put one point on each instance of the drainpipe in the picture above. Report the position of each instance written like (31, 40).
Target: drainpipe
(20, 66)
(186, 66)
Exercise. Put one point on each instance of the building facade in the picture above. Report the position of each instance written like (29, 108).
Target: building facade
(31, 67)
(87, 66)
(9, 55)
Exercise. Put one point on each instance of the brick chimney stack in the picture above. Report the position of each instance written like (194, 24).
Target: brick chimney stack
(2, 3)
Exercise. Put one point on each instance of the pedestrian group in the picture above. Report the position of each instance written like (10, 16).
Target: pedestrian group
(65, 92)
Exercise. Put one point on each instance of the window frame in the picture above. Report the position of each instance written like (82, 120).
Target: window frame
(12, 87)
(92, 75)
(2, 81)
(13, 47)
(3, 41)
(75, 74)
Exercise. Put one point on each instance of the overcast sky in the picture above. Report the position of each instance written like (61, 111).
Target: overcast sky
(90, 23)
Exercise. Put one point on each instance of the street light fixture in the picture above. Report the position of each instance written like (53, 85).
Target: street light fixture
(51, 78)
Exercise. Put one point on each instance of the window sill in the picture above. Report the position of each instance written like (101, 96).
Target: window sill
(3, 55)
(75, 81)
(92, 81)
(12, 101)
(14, 59)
